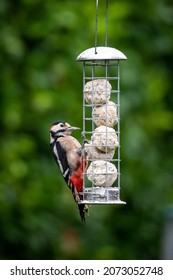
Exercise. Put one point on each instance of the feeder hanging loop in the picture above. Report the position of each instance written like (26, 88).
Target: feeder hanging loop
(106, 34)
(96, 28)
(96, 25)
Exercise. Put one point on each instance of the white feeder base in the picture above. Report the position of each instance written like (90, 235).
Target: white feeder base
(101, 195)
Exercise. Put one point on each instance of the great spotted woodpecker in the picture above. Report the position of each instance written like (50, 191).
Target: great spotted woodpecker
(71, 159)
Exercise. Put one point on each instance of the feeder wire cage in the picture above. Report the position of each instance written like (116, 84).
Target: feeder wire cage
(101, 121)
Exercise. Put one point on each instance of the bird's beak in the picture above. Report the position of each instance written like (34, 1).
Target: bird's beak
(71, 128)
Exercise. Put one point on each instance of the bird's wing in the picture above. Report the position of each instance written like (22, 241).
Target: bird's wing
(61, 158)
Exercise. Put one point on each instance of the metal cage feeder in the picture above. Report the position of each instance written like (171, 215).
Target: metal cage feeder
(101, 125)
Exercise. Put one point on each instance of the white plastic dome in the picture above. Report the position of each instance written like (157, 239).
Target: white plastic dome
(101, 53)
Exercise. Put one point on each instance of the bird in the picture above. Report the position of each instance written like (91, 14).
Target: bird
(71, 159)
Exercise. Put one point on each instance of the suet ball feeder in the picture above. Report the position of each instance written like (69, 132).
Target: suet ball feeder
(101, 122)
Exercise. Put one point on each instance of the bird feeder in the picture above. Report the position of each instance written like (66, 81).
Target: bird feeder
(101, 123)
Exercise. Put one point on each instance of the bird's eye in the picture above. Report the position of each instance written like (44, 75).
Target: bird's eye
(61, 125)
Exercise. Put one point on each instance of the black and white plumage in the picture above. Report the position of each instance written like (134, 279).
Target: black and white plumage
(69, 156)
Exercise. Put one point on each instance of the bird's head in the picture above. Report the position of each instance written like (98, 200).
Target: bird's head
(61, 128)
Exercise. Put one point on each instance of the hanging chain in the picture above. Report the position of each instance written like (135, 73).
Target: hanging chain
(96, 26)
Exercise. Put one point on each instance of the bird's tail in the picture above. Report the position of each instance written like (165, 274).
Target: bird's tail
(83, 211)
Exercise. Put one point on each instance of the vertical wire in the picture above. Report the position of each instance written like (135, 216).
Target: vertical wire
(106, 64)
(106, 33)
(84, 128)
(106, 192)
(96, 27)
(92, 128)
(119, 125)
(106, 42)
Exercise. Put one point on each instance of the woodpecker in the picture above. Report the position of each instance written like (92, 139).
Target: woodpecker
(71, 159)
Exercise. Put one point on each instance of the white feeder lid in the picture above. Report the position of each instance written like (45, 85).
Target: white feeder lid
(103, 53)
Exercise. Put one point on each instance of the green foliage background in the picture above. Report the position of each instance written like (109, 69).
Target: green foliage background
(40, 83)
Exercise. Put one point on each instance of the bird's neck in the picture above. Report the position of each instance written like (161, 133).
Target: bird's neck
(54, 137)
